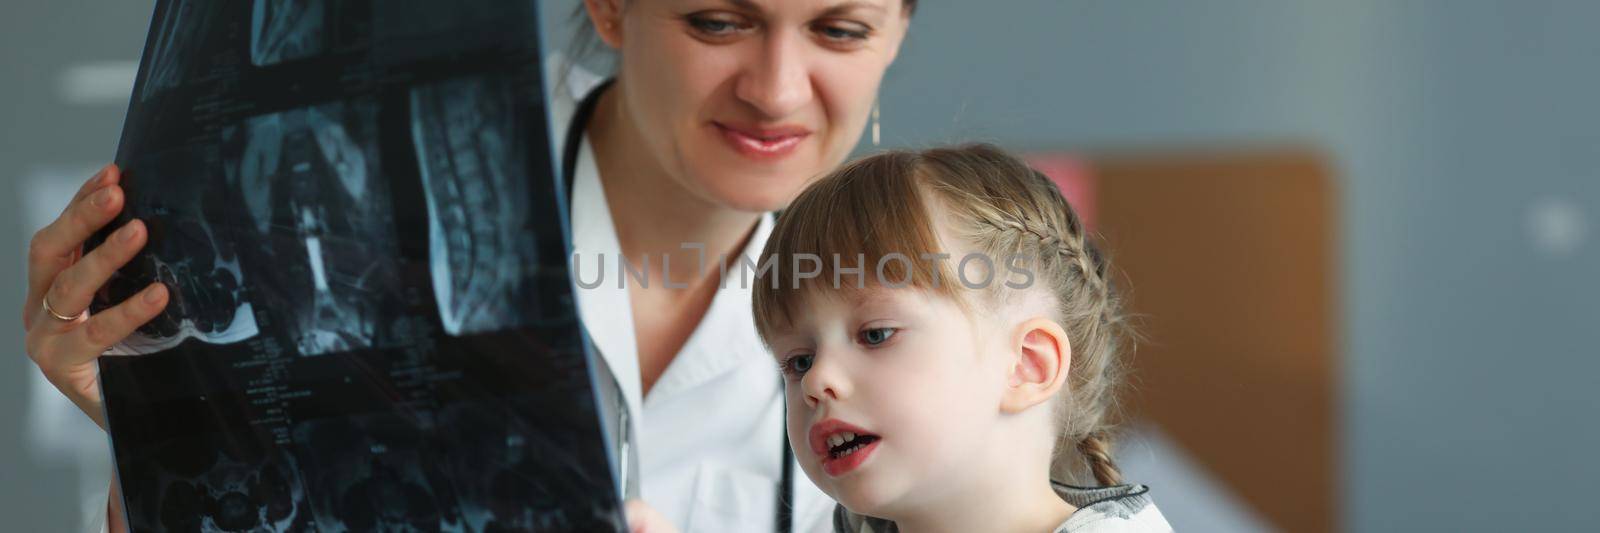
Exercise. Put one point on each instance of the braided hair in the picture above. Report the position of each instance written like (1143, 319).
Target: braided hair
(1008, 207)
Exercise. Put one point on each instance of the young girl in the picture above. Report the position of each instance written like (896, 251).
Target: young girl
(949, 340)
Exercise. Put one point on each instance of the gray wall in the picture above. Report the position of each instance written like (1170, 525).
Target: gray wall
(42, 490)
(1464, 130)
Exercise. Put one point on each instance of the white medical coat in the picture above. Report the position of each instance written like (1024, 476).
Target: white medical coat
(708, 435)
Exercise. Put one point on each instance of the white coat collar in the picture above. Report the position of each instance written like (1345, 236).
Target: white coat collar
(725, 337)
(606, 311)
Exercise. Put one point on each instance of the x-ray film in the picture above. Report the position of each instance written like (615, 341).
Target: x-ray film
(372, 324)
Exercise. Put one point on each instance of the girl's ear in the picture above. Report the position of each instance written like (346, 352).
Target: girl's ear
(607, 18)
(1042, 356)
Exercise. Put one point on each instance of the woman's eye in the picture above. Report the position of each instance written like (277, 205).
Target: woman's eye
(798, 365)
(876, 336)
(716, 26)
(843, 33)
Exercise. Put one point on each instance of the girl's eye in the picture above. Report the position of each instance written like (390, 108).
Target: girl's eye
(798, 365)
(876, 336)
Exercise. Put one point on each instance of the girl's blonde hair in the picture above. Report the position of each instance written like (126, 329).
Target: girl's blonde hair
(879, 206)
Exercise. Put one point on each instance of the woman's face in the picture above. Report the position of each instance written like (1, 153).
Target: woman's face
(743, 102)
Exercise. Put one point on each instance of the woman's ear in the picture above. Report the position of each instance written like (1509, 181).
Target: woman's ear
(1042, 355)
(607, 18)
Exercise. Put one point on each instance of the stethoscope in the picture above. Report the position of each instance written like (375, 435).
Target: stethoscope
(569, 162)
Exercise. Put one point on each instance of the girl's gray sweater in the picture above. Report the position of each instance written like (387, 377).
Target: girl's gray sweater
(1114, 509)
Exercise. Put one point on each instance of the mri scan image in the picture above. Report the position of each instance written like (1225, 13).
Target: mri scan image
(372, 324)
(285, 30)
(481, 248)
(474, 466)
(233, 494)
(376, 472)
(211, 474)
(175, 43)
(410, 30)
(519, 468)
(320, 240)
(191, 251)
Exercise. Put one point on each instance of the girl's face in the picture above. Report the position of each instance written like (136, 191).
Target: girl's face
(891, 394)
(742, 102)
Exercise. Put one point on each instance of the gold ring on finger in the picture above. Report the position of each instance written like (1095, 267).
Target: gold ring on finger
(82, 316)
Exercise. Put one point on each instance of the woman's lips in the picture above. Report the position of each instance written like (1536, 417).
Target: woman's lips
(839, 465)
(762, 143)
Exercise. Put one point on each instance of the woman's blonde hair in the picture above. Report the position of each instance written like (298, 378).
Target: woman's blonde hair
(879, 206)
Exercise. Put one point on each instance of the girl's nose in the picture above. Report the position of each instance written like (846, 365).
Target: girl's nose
(825, 381)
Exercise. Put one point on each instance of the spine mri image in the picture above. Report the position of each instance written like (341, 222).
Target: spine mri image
(479, 236)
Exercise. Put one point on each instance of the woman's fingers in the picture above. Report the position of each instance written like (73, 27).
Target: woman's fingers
(107, 175)
(109, 327)
(642, 518)
(81, 342)
(55, 247)
(66, 357)
(74, 288)
(65, 350)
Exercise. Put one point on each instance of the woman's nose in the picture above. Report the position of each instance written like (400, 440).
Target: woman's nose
(778, 82)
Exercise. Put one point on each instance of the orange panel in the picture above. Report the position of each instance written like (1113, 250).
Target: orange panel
(1230, 262)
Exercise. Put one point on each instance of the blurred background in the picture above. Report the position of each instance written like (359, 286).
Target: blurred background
(1360, 234)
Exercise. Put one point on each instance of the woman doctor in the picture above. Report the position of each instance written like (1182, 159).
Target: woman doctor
(719, 113)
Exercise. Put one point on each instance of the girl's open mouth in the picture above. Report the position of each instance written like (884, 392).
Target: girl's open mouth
(849, 455)
(841, 447)
(846, 443)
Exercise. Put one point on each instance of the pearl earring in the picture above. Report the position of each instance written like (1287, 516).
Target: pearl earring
(876, 126)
